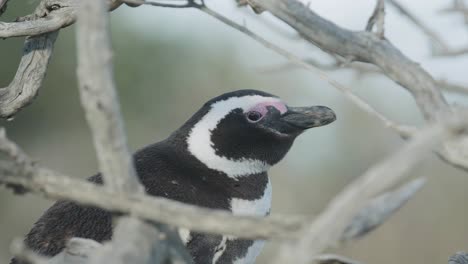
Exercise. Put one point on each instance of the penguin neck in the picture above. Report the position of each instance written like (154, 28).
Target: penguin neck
(247, 186)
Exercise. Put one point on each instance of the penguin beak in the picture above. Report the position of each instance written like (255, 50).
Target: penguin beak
(308, 117)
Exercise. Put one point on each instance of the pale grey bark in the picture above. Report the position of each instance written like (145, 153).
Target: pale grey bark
(99, 98)
(355, 206)
(459, 258)
(378, 210)
(133, 241)
(28, 79)
(327, 229)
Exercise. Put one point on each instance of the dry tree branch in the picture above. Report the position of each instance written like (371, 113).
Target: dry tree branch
(380, 208)
(328, 227)
(439, 46)
(364, 47)
(435, 38)
(157, 209)
(377, 19)
(99, 98)
(29, 76)
(459, 258)
(41, 28)
(44, 180)
(58, 186)
(347, 92)
(77, 251)
(133, 240)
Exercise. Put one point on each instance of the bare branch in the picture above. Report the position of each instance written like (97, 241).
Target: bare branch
(459, 258)
(347, 92)
(138, 243)
(327, 229)
(13, 151)
(29, 76)
(334, 259)
(380, 209)
(157, 209)
(99, 98)
(366, 48)
(43, 21)
(47, 19)
(378, 19)
(436, 39)
(77, 251)
(452, 87)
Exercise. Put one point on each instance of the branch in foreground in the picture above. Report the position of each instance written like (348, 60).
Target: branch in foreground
(327, 228)
(459, 258)
(47, 19)
(439, 43)
(28, 79)
(137, 243)
(77, 251)
(157, 209)
(377, 19)
(365, 47)
(99, 98)
(133, 241)
(347, 92)
(381, 208)
(361, 46)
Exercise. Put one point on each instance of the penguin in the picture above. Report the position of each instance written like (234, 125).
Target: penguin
(218, 159)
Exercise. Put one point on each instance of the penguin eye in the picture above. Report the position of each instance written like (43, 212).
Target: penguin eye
(254, 116)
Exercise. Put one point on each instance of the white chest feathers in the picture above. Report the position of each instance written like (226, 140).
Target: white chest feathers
(258, 207)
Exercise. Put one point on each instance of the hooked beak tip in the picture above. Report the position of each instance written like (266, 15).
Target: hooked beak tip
(309, 117)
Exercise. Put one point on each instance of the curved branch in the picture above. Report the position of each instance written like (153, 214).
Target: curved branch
(3, 6)
(361, 46)
(35, 27)
(366, 47)
(42, 26)
(29, 76)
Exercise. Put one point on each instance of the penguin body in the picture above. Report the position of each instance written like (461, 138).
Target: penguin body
(218, 159)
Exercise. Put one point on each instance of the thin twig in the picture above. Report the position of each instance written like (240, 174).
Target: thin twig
(356, 100)
(378, 19)
(328, 227)
(436, 39)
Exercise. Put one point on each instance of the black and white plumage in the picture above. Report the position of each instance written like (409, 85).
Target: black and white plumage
(218, 159)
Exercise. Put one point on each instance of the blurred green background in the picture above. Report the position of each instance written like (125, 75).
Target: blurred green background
(167, 68)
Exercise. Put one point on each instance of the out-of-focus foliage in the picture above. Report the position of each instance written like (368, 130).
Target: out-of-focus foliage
(163, 77)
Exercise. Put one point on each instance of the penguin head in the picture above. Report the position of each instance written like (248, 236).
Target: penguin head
(247, 131)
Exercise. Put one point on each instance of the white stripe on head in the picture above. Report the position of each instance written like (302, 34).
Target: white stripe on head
(200, 144)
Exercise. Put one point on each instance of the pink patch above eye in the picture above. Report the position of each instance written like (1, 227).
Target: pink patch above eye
(262, 108)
